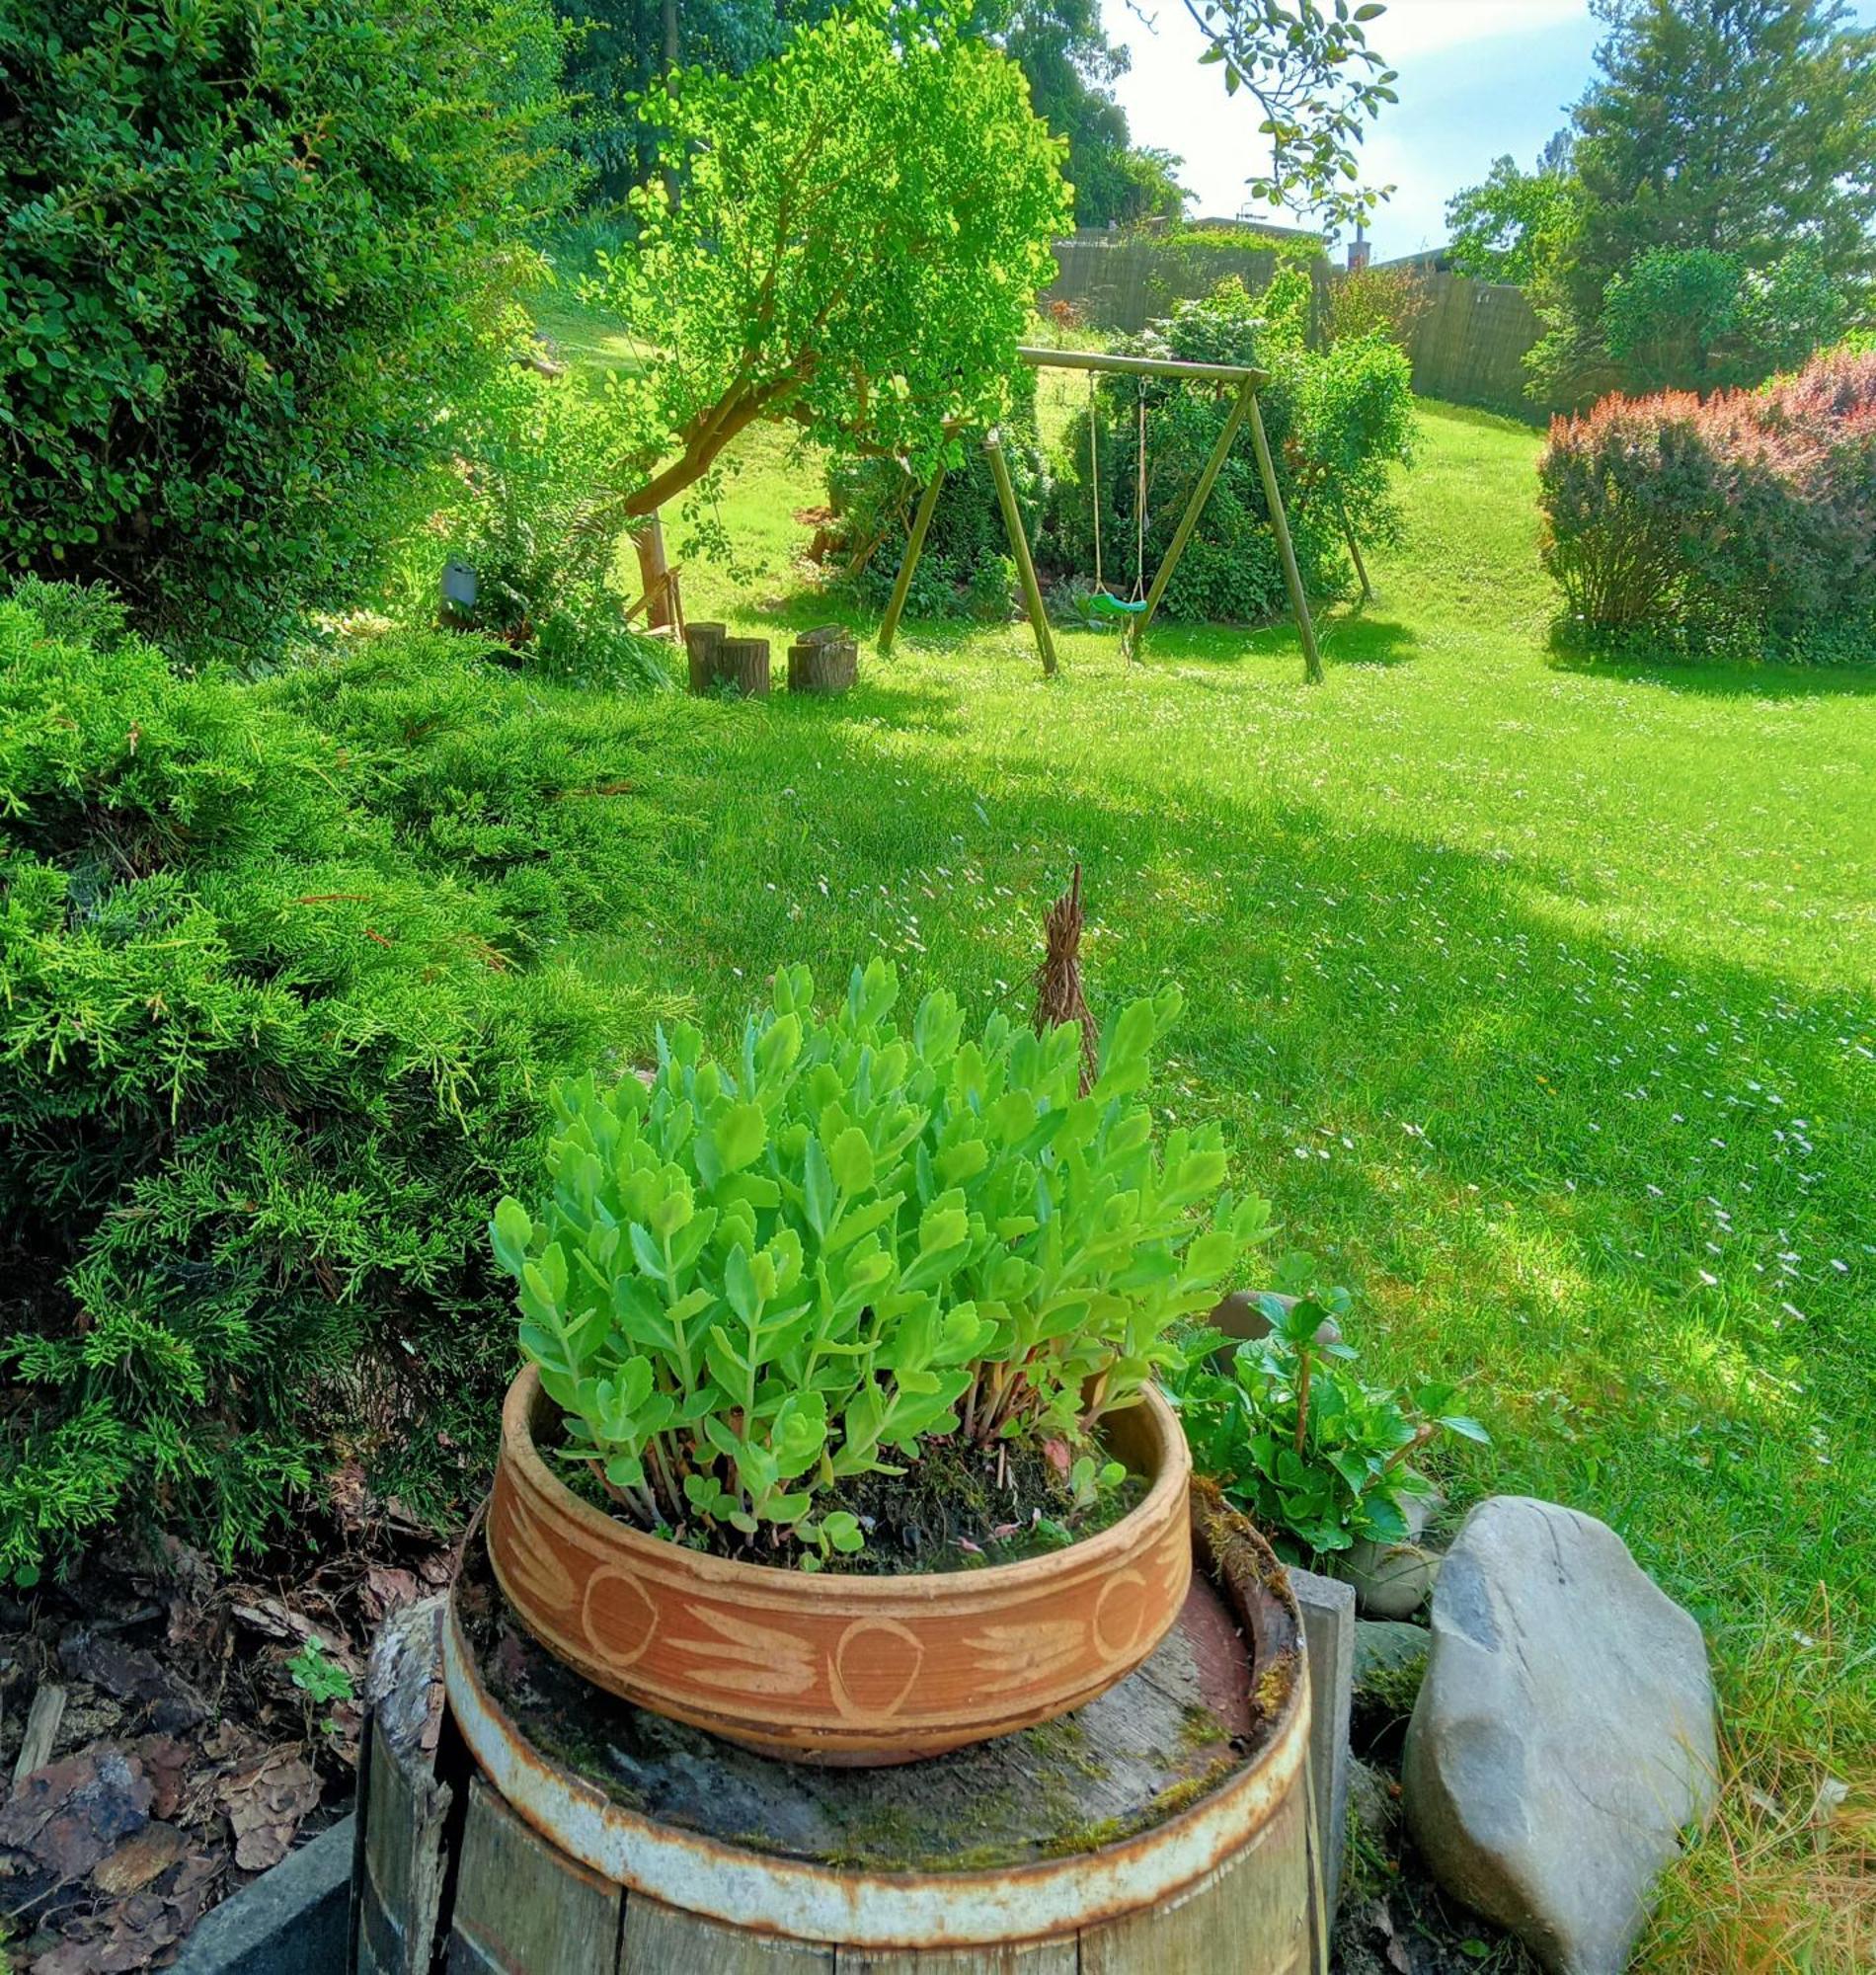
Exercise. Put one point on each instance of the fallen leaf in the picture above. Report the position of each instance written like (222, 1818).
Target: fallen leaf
(68, 1815)
(265, 1804)
(386, 1590)
(166, 1762)
(139, 1860)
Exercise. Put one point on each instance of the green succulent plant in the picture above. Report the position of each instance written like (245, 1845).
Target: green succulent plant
(760, 1276)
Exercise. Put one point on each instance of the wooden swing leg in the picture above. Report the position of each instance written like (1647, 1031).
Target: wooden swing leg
(914, 544)
(1019, 547)
(1355, 551)
(1285, 549)
(1136, 631)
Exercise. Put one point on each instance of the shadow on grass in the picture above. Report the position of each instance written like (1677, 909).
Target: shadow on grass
(1765, 680)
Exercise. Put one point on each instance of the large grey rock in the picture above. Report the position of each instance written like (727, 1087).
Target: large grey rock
(1564, 1735)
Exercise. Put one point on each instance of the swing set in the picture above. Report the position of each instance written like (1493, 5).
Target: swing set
(1138, 609)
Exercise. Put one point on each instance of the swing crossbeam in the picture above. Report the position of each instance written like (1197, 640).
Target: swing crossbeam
(1249, 380)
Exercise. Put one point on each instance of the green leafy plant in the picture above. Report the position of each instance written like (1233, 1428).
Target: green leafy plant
(1295, 1438)
(323, 1680)
(260, 1061)
(770, 1272)
(1337, 419)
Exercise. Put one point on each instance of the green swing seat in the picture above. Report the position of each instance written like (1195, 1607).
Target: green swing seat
(1110, 605)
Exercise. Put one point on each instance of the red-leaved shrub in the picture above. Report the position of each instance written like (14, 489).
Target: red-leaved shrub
(1746, 520)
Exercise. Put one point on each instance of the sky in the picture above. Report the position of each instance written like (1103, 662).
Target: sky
(1478, 79)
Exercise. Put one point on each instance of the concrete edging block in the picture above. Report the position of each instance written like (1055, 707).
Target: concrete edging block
(293, 1921)
(1328, 1621)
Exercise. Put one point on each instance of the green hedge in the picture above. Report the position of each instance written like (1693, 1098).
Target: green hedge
(247, 254)
(1337, 421)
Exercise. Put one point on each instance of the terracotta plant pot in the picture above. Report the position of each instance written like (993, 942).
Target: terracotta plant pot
(840, 1669)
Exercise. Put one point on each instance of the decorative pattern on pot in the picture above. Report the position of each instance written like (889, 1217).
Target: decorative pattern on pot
(840, 1668)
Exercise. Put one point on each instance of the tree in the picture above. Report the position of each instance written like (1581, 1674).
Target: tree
(1743, 129)
(1512, 225)
(622, 47)
(864, 228)
(1309, 69)
(247, 254)
(1740, 126)
(1064, 51)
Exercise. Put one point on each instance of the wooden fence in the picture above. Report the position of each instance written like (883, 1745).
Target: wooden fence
(1467, 347)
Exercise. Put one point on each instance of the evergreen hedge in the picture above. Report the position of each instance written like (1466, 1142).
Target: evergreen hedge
(265, 1060)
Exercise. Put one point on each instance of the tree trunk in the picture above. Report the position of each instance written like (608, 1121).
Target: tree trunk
(702, 643)
(716, 661)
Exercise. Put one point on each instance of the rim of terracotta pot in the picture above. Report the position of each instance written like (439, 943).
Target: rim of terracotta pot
(741, 1609)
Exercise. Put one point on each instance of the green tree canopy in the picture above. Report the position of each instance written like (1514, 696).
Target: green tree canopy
(1719, 182)
(1514, 224)
(247, 255)
(861, 238)
(1744, 127)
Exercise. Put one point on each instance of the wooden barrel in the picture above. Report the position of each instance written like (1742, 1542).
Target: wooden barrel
(1163, 1828)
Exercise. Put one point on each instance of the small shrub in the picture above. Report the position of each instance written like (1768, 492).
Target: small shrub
(801, 1263)
(1378, 301)
(256, 1062)
(1737, 525)
(247, 256)
(965, 568)
(1318, 1457)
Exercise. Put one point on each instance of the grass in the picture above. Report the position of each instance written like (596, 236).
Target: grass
(1536, 998)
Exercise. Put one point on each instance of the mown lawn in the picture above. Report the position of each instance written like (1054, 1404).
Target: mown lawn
(1536, 998)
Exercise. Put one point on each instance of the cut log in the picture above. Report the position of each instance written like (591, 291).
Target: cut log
(702, 643)
(743, 663)
(821, 665)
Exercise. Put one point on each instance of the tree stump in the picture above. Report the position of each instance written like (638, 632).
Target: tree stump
(743, 663)
(1163, 1827)
(702, 643)
(823, 664)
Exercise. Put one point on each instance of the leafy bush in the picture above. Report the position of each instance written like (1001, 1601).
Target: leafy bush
(248, 255)
(1739, 523)
(1336, 419)
(1378, 301)
(256, 1064)
(965, 568)
(768, 1273)
(1295, 1439)
(1690, 317)
(521, 507)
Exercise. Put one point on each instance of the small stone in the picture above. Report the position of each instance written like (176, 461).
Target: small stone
(1390, 1580)
(1564, 1735)
(1389, 1655)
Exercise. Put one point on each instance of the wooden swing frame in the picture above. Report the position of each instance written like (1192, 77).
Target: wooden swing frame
(1248, 381)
